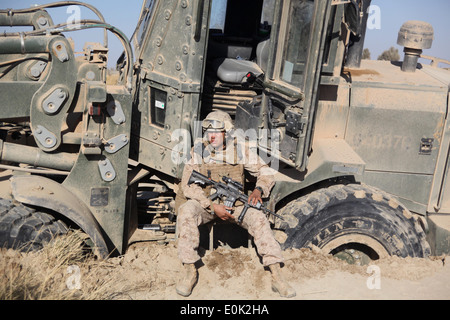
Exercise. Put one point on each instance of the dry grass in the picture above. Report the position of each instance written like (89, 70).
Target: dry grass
(60, 271)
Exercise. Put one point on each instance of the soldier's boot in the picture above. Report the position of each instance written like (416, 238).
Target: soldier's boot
(279, 284)
(187, 283)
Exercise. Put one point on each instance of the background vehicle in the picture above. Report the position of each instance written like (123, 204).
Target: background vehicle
(361, 147)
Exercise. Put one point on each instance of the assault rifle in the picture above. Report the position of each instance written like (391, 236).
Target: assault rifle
(229, 192)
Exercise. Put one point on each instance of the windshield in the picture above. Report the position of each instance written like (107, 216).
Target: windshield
(143, 23)
(297, 41)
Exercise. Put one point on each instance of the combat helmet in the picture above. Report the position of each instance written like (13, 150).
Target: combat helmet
(218, 120)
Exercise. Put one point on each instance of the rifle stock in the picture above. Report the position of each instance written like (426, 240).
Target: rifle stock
(197, 177)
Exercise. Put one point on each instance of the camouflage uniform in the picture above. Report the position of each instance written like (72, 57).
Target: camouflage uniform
(196, 210)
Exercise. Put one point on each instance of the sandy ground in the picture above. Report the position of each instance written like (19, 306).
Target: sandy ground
(238, 274)
(149, 271)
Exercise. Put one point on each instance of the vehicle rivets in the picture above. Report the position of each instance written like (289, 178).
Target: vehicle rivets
(167, 14)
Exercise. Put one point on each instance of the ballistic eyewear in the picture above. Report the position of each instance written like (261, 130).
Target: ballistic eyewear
(213, 124)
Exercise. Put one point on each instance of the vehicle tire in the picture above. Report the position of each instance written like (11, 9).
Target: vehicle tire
(353, 220)
(26, 229)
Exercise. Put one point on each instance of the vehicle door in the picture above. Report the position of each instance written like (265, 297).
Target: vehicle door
(292, 78)
(169, 42)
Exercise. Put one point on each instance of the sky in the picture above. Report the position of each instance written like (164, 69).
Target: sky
(393, 13)
(385, 20)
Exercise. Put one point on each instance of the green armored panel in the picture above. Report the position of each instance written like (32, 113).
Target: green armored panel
(395, 124)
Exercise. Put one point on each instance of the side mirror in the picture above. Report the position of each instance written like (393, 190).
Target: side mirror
(353, 16)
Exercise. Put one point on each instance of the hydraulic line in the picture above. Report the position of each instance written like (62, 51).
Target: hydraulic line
(88, 24)
(63, 4)
(11, 152)
(35, 171)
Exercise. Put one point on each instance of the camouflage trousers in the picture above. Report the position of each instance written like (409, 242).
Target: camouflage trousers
(191, 215)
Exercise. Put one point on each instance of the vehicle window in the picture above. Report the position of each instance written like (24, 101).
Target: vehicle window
(297, 40)
(267, 13)
(144, 20)
(218, 12)
(158, 102)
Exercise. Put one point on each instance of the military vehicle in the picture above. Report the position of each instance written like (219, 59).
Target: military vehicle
(360, 148)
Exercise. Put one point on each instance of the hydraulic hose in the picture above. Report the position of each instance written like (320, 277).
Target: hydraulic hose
(88, 24)
(63, 4)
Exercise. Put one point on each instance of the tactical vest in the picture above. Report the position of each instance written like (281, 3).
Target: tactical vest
(216, 170)
(232, 169)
